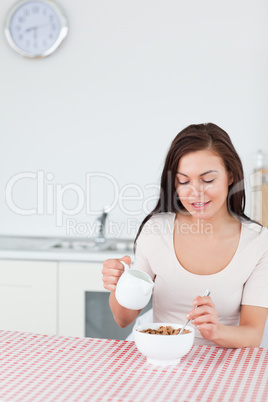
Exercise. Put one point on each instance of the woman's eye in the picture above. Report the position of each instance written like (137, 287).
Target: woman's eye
(186, 182)
(208, 181)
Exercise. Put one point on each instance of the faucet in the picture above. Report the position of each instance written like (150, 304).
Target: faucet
(101, 220)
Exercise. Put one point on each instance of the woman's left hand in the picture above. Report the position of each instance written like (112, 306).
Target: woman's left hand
(205, 317)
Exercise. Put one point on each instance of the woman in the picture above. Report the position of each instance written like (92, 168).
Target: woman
(198, 237)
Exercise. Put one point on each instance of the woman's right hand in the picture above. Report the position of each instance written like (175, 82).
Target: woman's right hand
(112, 270)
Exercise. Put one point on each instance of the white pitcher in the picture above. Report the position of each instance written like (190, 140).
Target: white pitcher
(134, 288)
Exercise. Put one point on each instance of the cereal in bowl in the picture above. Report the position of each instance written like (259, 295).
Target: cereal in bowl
(168, 330)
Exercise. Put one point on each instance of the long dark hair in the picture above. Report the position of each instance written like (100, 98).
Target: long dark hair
(193, 138)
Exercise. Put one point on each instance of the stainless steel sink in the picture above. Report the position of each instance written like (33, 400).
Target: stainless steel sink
(65, 244)
(92, 245)
(26, 243)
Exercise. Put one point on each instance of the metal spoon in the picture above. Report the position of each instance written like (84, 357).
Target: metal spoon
(207, 293)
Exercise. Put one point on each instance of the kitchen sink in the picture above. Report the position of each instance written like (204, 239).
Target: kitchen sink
(26, 243)
(93, 245)
(64, 244)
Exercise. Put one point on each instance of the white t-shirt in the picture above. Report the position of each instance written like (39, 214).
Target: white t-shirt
(243, 281)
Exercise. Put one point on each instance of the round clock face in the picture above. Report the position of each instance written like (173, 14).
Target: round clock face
(35, 28)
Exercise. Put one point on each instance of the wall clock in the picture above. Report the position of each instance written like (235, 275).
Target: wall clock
(35, 28)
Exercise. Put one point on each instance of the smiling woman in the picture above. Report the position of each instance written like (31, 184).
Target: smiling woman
(202, 186)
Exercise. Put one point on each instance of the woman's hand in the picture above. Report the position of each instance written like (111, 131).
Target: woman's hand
(249, 333)
(205, 317)
(112, 270)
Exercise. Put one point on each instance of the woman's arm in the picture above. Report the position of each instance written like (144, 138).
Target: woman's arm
(112, 270)
(122, 316)
(249, 333)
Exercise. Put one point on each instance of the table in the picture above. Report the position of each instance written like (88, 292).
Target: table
(36, 367)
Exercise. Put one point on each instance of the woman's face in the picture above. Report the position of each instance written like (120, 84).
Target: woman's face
(202, 184)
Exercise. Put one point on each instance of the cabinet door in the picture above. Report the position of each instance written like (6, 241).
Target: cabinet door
(74, 280)
(28, 296)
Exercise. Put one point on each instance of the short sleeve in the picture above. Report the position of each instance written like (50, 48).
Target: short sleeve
(143, 249)
(255, 291)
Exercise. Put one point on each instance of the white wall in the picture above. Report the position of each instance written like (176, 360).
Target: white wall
(128, 78)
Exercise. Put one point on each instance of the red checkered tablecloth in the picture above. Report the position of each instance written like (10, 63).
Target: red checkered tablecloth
(54, 368)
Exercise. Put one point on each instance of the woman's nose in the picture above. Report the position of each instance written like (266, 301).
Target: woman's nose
(198, 189)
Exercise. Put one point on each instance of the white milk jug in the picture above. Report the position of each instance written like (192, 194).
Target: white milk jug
(134, 288)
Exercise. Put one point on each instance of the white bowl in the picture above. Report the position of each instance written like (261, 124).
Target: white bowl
(163, 350)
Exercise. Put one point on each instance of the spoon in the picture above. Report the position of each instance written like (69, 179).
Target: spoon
(207, 293)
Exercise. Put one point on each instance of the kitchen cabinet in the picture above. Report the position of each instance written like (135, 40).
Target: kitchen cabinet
(28, 296)
(75, 278)
(49, 297)
(46, 297)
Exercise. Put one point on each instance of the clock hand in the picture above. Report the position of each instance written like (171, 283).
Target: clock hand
(30, 29)
(37, 27)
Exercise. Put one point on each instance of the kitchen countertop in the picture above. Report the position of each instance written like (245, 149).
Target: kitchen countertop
(37, 367)
(41, 248)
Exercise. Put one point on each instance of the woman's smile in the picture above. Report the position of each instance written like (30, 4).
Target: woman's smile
(200, 205)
